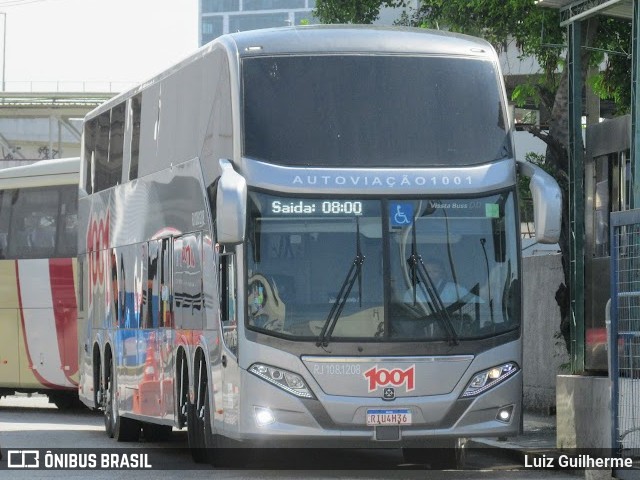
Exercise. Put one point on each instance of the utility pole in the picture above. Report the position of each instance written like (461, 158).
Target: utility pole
(4, 47)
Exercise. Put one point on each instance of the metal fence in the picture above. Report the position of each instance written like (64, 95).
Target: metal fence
(624, 339)
(67, 86)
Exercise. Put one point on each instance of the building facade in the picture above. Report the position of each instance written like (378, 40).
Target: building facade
(218, 17)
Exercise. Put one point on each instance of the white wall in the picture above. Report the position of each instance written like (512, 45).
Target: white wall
(526, 142)
(543, 354)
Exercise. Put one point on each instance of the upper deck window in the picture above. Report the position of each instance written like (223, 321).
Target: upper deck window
(373, 110)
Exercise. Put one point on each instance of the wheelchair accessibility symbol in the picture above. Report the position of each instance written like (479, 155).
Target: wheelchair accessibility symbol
(400, 213)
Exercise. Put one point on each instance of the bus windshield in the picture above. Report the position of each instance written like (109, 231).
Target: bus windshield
(39, 222)
(374, 111)
(382, 270)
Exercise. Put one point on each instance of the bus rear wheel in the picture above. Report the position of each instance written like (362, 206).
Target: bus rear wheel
(194, 435)
(202, 442)
(212, 452)
(121, 428)
(195, 417)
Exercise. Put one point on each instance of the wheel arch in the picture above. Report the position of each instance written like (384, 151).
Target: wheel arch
(96, 362)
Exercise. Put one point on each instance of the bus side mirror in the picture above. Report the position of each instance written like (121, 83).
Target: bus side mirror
(547, 202)
(231, 205)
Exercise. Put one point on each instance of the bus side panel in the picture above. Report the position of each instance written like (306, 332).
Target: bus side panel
(42, 331)
(126, 287)
(62, 272)
(37, 315)
(144, 217)
(176, 115)
(94, 226)
(9, 321)
(218, 141)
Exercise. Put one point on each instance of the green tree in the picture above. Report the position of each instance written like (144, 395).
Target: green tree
(536, 32)
(352, 11)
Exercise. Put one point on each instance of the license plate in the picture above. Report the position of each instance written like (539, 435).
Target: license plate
(389, 417)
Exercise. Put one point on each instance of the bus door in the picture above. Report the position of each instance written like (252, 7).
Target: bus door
(9, 321)
(156, 386)
(187, 277)
(178, 283)
(43, 347)
(228, 288)
(9, 302)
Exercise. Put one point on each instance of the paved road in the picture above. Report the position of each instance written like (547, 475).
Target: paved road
(33, 423)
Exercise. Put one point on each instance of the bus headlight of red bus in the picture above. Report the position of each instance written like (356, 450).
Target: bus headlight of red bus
(489, 378)
(284, 379)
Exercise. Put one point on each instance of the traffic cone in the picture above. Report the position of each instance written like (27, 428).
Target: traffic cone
(148, 400)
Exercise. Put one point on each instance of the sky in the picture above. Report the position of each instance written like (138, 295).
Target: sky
(95, 40)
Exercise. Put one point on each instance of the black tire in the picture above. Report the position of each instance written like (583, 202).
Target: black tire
(195, 419)
(202, 442)
(440, 455)
(156, 433)
(107, 400)
(210, 440)
(194, 436)
(182, 392)
(65, 401)
(121, 428)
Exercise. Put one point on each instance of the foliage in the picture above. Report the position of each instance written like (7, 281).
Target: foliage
(523, 182)
(613, 83)
(352, 11)
(535, 31)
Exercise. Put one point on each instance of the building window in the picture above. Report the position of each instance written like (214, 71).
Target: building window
(272, 4)
(240, 23)
(212, 27)
(217, 6)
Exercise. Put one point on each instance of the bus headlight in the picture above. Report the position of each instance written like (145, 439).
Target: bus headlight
(284, 379)
(483, 381)
(263, 416)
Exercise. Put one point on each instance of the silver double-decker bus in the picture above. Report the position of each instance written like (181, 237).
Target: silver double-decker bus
(308, 236)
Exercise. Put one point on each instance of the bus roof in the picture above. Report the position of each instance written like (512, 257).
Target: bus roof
(327, 39)
(356, 39)
(64, 171)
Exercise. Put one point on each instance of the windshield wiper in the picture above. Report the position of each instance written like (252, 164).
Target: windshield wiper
(354, 273)
(419, 273)
(486, 262)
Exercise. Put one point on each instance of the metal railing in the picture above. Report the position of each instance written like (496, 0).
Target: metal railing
(66, 86)
(624, 336)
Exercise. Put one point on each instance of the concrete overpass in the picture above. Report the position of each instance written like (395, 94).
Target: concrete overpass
(39, 124)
